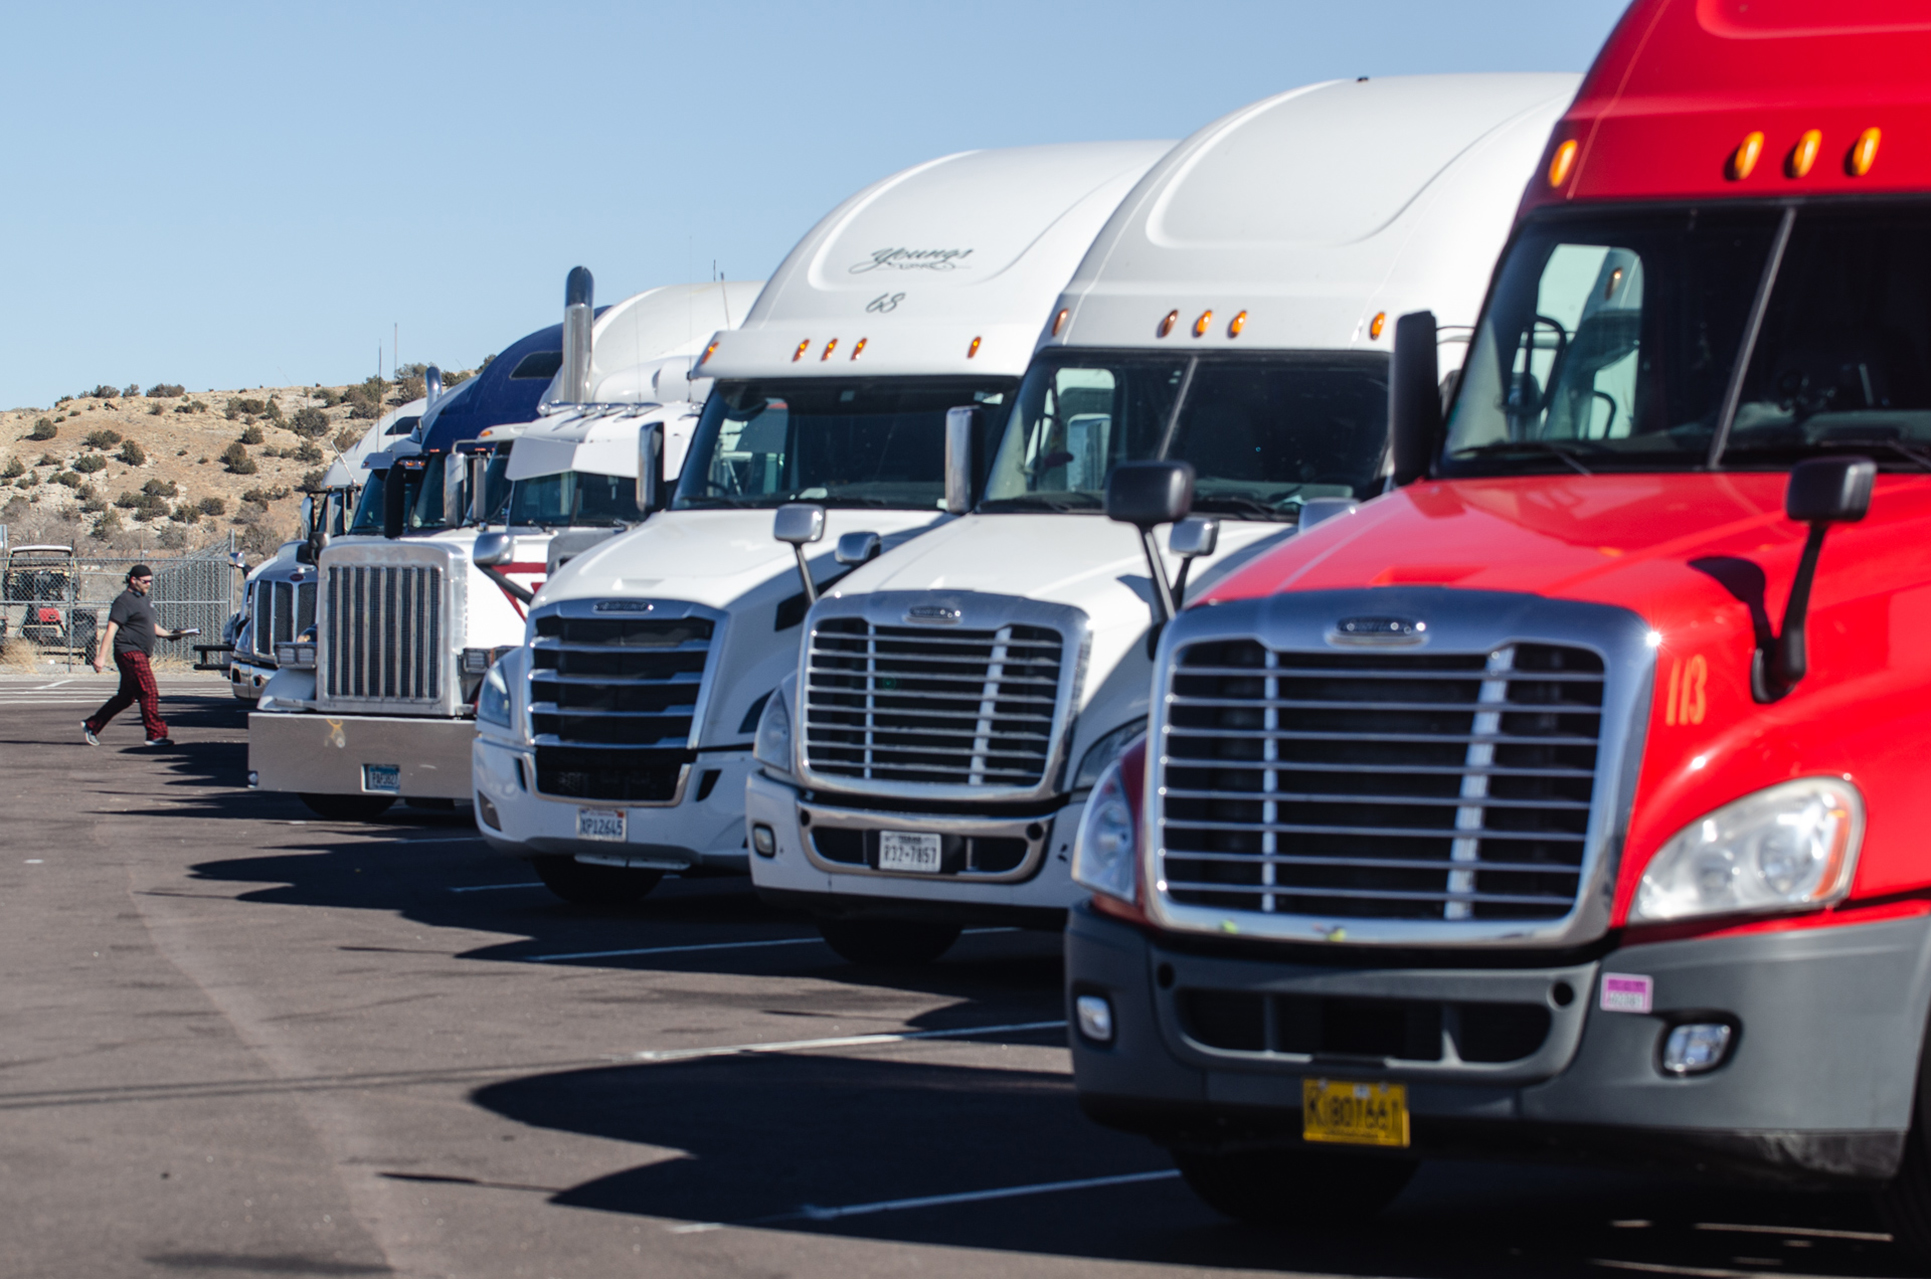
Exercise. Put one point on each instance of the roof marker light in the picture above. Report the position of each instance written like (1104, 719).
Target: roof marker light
(1375, 325)
(973, 349)
(1560, 163)
(1863, 153)
(1804, 154)
(709, 351)
(1200, 325)
(1745, 157)
(861, 346)
(799, 353)
(1059, 321)
(1235, 325)
(1167, 322)
(829, 348)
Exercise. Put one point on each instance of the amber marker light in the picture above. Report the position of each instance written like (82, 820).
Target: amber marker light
(1561, 162)
(709, 351)
(829, 348)
(1745, 157)
(1200, 325)
(973, 349)
(1804, 154)
(1377, 324)
(800, 352)
(859, 347)
(1166, 324)
(1863, 153)
(1235, 325)
(1059, 321)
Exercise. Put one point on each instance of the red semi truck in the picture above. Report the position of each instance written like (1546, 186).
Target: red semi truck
(1570, 799)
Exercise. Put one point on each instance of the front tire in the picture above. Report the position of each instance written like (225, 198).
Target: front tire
(888, 943)
(585, 885)
(348, 808)
(1293, 1187)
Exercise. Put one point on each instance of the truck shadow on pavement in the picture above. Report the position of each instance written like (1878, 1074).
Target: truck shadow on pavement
(839, 1145)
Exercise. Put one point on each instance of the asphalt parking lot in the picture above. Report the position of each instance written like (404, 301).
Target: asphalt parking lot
(240, 1041)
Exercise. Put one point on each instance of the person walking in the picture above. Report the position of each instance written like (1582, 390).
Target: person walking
(131, 632)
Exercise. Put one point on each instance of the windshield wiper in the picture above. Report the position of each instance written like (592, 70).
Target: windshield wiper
(1041, 502)
(1243, 505)
(1917, 456)
(1555, 448)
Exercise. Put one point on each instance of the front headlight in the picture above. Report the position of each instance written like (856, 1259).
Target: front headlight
(296, 655)
(1105, 850)
(1788, 847)
(493, 699)
(772, 747)
(1102, 752)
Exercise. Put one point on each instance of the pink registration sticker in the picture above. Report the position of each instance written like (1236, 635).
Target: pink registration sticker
(1623, 993)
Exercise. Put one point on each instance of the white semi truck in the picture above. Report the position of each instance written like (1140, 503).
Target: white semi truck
(954, 702)
(615, 745)
(378, 704)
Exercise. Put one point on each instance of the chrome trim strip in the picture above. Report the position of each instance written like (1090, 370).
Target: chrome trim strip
(812, 816)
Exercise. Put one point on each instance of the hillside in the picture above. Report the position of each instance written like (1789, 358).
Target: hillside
(169, 470)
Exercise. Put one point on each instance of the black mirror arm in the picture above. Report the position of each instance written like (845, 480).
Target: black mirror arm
(804, 573)
(1779, 666)
(1164, 599)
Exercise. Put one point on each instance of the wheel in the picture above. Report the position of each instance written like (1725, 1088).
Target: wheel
(1292, 1187)
(888, 943)
(348, 808)
(583, 885)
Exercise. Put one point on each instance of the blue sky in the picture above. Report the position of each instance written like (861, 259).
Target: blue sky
(238, 194)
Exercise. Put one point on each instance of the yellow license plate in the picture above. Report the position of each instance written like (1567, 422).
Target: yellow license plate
(1354, 1114)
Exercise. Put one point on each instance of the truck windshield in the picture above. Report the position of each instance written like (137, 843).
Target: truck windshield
(368, 511)
(426, 513)
(581, 498)
(876, 443)
(1611, 342)
(1264, 432)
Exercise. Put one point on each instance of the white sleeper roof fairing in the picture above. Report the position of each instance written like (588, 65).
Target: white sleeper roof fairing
(643, 349)
(601, 440)
(1309, 213)
(949, 267)
(347, 468)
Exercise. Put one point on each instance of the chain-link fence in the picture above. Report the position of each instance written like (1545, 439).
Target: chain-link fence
(58, 601)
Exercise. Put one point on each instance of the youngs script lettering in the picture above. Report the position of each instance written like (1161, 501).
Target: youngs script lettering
(913, 260)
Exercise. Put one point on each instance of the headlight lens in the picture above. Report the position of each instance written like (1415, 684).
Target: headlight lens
(773, 745)
(1104, 853)
(1787, 847)
(1102, 752)
(493, 701)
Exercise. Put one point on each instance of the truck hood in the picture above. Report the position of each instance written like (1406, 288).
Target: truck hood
(1707, 561)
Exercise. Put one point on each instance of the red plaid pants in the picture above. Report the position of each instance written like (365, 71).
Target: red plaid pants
(137, 685)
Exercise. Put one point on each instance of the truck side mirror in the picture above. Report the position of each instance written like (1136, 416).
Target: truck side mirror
(857, 548)
(492, 550)
(1146, 495)
(1191, 538)
(961, 428)
(650, 466)
(395, 506)
(1414, 398)
(1822, 491)
(800, 523)
(454, 476)
(476, 463)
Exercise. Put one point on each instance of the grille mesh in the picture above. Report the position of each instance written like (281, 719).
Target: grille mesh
(385, 633)
(1384, 785)
(905, 704)
(612, 702)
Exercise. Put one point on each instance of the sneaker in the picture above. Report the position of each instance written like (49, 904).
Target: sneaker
(88, 733)
(160, 741)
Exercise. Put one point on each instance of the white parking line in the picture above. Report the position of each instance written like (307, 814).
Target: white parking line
(716, 945)
(485, 888)
(811, 1212)
(839, 1041)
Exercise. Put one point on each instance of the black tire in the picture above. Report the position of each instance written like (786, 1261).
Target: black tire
(1293, 1187)
(888, 943)
(583, 885)
(431, 805)
(348, 808)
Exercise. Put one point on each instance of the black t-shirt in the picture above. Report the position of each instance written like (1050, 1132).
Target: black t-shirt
(133, 615)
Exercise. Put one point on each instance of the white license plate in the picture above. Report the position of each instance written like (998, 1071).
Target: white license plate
(383, 779)
(904, 850)
(601, 823)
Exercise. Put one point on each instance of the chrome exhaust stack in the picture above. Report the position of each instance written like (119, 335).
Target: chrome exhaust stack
(573, 384)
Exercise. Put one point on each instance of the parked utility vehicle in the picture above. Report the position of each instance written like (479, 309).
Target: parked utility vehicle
(622, 733)
(956, 700)
(378, 705)
(1569, 799)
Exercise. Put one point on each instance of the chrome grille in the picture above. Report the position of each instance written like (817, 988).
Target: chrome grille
(281, 611)
(612, 704)
(1379, 785)
(384, 640)
(908, 704)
